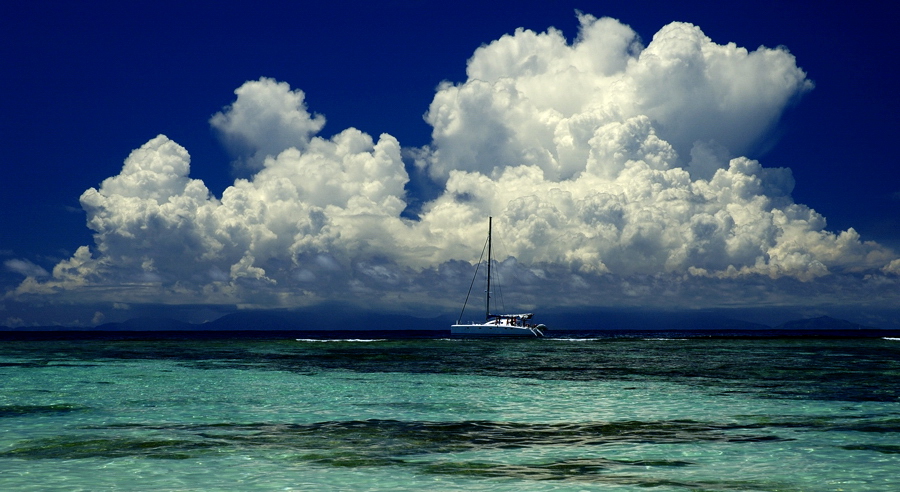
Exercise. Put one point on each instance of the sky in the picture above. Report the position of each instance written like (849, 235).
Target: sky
(190, 159)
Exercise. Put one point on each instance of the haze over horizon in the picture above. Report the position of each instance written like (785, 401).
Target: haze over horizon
(623, 169)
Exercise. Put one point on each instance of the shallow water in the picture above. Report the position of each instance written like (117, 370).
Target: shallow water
(710, 414)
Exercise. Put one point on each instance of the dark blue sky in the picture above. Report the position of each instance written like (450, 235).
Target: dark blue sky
(86, 83)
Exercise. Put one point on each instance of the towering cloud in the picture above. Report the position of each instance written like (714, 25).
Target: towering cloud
(612, 169)
(267, 118)
(533, 99)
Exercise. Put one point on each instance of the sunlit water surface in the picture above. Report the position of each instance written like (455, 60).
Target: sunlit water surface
(700, 414)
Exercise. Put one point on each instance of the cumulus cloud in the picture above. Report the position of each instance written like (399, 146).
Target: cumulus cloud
(266, 118)
(155, 227)
(25, 267)
(892, 267)
(531, 98)
(612, 169)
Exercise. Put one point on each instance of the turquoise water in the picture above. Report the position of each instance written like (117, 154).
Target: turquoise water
(703, 414)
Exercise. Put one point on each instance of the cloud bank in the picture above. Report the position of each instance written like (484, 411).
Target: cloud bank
(613, 171)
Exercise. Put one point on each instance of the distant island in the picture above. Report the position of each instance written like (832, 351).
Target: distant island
(331, 319)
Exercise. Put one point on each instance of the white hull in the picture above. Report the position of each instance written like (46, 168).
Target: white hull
(495, 330)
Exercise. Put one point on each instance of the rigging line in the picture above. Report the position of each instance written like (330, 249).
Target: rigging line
(477, 265)
(499, 283)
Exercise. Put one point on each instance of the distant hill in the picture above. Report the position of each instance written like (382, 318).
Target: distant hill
(147, 324)
(646, 320)
(343, 318)
(822, 323)
(324, 319)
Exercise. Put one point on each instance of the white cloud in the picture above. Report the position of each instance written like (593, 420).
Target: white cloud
(266, 118)
(531, 98)
(25, 267)
(606, 165)
(893, 267)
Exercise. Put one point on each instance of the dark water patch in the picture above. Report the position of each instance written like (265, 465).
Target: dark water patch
(554, 470)
(404, 406)
(878, 426)
(391, 438)
(17, 364)
(416, 445)
(420, 445)
(404, 437)
(70, 448)
(28, 364)
(596, 471)
(100, 352)
(349, 460)
(25, 410)
(881, 448)
(827, 424)
(852, 370)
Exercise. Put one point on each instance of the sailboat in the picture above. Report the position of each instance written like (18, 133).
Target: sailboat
(496, 325)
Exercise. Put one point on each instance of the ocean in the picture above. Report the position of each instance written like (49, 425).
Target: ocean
(373, 412)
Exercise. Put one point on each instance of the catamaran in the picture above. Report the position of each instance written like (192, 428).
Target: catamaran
(496, 325)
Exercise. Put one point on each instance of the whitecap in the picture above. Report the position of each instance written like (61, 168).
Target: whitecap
(359, 340)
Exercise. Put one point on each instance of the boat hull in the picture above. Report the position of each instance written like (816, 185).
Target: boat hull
(493, 330)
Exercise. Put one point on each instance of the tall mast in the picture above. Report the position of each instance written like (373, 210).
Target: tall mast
(488, 296)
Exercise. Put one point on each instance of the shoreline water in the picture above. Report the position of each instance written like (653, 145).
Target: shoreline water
(568, 413)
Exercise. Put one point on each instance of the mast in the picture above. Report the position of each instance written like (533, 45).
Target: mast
(487, 314)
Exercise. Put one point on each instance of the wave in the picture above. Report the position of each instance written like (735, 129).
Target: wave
(574, 339)
(352, 340)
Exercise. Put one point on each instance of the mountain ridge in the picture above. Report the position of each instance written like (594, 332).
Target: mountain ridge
(334, 318)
